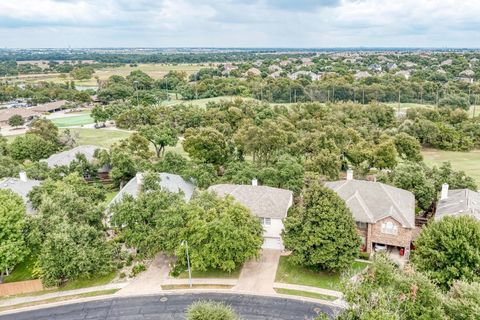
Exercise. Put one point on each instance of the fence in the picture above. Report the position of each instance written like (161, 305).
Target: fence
(8, 289)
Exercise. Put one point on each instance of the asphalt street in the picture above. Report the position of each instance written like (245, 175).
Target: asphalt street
(172, 307)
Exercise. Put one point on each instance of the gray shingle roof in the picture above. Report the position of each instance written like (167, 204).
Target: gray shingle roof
(64, 158)
(20, 187)
(263, 201)
(168, 181)
(372, 201)
(459, 202)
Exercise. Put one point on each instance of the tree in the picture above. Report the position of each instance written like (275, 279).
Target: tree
(321, 231)
(463, 301)
(45, 129)
(16, 120)
(8, 167)
(384, 155)
(160, 136)
(31, 147)
(13, 248)
(449, 250)
(384, 292)
(285, 173)
(205, 310)
(152, 222)
(72, 251)
(408, 148)
(3, 146)
(221, 234)
(100, 114)
(82, 73)
(207, 145)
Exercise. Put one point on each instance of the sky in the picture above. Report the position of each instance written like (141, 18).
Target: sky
(240, 23)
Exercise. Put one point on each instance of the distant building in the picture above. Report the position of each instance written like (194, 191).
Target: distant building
(309, 74)
(392, 66)
(403, 73)
(375, 67)
(26, 114)
(253, 71)
(50, 106)
(21, 187)
(458, 202)
(276, 74)
(447, 62)
(274, 68)
(361, 75)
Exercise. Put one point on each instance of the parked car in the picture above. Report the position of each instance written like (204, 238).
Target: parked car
(380, 247)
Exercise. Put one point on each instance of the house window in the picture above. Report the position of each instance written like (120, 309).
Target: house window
(389, 228)
(361, 225)
(266, 221)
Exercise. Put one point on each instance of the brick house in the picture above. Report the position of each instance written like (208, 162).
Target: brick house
(384, 215)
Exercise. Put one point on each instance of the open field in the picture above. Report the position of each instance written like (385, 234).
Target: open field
(293, 274)
(156, 71)
(466, 161)
(79, 120)
(100, 137)
(474, 110)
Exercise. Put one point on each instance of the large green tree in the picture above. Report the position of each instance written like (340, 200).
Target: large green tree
(221, 234)
(321, 231)
(31, 147)
(160, 136)
(207, 145)
(13, 247)
(449, 250)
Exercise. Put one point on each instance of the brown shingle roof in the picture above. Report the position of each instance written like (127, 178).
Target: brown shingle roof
(5, 114)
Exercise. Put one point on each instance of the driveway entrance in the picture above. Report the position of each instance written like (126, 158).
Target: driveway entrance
(259, 275)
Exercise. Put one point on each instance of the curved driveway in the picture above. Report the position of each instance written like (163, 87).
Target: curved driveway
(173, 306)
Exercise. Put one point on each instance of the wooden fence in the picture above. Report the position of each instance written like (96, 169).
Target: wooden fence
(13, 288)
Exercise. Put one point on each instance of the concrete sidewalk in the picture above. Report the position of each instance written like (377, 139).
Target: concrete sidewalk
(297, 287)
(57, 294)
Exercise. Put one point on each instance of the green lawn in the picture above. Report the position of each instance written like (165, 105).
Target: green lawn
(305, 294)
(466, 161)
(23, 271)
(290, 273)
(79, 120)
(91, 282)
(212, 274)
(110, 195)
(100, 137)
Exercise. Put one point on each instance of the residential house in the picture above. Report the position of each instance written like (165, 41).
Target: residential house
(403, 73)
(276, 74)
(307, 74)
(447, 62)
(64, 158)
(21, 186)
(375, 67)
(409, 64)
(269, 204)
(253, 71)
(168, 181)
(467, 76)
(458, 202)
(384, 215)
(392, 66)
(274, 68)
(361, 75)
(285, 63)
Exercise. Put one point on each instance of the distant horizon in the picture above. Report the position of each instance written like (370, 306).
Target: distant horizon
(355, 48)
(240, 23)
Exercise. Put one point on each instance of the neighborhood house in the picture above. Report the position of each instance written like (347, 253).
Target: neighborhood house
(21, 187)
(458, 202)
(384, 215)
(269, 204)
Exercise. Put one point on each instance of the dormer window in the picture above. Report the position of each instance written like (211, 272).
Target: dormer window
(389, 228)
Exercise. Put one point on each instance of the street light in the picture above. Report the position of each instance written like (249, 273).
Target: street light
(185, 243)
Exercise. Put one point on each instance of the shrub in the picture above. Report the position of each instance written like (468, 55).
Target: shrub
(138, 268)
(209, 310)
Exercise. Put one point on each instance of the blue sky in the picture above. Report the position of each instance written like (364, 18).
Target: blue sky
(241, 23)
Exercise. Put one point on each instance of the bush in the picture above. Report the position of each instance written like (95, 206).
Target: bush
(137, 269)
(364, 255)
(122, 275)
(209, 310)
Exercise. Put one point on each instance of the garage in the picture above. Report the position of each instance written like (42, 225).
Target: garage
(272, 243)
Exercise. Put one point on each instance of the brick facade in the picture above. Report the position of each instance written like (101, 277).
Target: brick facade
(374, 234)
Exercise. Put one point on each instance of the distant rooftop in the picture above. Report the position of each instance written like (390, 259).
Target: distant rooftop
(168, 181)
(21, 188)
(459, 202)
(66, 157)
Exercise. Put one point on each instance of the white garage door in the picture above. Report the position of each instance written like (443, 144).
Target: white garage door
(273, 243)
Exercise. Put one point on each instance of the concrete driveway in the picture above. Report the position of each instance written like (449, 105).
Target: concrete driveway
(259, 275)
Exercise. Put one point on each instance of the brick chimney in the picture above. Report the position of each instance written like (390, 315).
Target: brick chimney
(349, 174)
(444, 194)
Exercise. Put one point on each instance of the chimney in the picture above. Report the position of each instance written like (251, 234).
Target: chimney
(254, 182)
(349, 174)
(444, 194)
(139, 177)
(23, 176)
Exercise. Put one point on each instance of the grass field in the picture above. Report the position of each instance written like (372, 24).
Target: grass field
(466, 161)
(305, 294)
(23, 271)
(293, 274)
(99, 137)
(474, 110)
(156, 71)
(212, 274)
(73, 121)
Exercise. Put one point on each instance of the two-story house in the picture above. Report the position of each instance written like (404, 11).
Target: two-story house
(384, 215)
